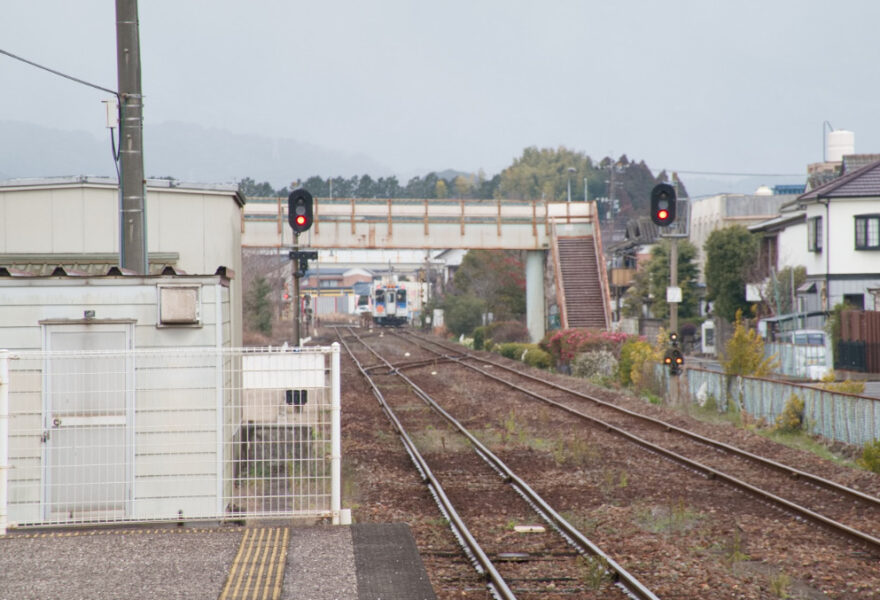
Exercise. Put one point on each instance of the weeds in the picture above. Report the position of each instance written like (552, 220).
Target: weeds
(594, 571)
(792, 417)
(575, 452)
(779, 585)
(733, 553)
(870, 458)
(675, 518)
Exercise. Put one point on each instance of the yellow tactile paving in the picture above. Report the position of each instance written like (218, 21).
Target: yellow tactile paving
(257, 571)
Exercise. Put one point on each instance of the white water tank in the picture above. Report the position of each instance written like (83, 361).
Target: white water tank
(839, 143)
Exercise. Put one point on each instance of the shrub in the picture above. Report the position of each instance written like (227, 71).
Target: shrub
(847, 386)
(792, 417)
(744, 353)
(502, 332)
(536, 357)
(530, 354)
(634, 356)
(479, 338)
(462, 313)
(870, 458)
(564, 345)
(512, 350)
(591, 364)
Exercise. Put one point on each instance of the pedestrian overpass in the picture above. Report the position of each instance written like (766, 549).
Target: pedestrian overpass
(567, 230)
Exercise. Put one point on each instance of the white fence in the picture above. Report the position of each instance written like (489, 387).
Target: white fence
(172, 434)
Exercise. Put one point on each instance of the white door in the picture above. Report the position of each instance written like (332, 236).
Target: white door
(390, 303)
(87, 416)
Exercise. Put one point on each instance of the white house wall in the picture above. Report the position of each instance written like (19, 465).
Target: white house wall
(792, 246)
(843, 258)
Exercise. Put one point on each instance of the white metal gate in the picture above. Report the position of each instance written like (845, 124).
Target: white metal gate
(105, 435)
(86, 417)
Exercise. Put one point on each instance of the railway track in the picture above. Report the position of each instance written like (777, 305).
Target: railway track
(846, 512)
(517, 556)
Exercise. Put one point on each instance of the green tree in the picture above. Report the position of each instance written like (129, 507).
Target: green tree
(658, 273)
(252, 189)
(440, 189)
(544, 173)
(497, 278)
(730, 254)
(463, 313)
(649, 285)
(461, 186)
(258, 306)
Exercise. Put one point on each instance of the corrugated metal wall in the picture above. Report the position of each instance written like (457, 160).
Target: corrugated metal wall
(863, 326)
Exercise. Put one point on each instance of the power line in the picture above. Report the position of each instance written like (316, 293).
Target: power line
(59, 73)
(720, 173)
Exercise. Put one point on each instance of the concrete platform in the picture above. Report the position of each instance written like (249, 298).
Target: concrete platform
(356, 562)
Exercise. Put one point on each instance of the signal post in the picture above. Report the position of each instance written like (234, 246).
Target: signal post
(300, 214)
(663, 213)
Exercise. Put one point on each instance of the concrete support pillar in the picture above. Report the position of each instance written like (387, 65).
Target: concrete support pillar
(535, 318)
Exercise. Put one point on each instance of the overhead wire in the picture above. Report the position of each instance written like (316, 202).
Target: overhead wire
(116, 94)
(59, 73)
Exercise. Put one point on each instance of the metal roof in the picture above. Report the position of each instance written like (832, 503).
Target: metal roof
(93, 181)
(780, 222)
(113, 271)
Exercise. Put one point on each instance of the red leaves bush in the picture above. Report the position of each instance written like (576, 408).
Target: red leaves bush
(565, 344)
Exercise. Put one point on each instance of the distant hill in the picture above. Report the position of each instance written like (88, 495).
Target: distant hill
(200, 155)
(183, 151)
(28, 150)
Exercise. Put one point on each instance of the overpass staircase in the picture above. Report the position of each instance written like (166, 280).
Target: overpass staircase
(582, 290)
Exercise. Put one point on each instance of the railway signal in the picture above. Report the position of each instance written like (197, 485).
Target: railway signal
(674, 360)
(663, 204)
(299, 210)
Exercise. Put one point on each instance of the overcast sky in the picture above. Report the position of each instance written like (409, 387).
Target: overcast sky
(689, 85)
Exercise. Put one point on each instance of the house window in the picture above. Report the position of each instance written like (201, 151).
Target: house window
(814, 234)
(856, 301)
(868, 232)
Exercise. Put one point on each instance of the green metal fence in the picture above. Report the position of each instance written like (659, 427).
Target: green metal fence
(847, 418)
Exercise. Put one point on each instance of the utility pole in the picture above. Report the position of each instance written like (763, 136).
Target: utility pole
(132, 184)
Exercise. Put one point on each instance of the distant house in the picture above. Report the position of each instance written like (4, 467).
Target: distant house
(332, 290)
(725, 210)
(834, 232)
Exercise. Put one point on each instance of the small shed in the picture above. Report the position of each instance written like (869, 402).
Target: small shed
(90, 439)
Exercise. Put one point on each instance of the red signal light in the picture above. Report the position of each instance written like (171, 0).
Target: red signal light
(301, 220)
(663, 204)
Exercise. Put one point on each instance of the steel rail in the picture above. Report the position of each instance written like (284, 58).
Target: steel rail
(873, 543)
(791, 471)
(481, 562)
(572, 535)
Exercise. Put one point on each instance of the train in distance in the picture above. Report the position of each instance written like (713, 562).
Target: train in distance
(392, 304)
